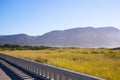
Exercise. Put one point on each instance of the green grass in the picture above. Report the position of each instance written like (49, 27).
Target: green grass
(104, 63)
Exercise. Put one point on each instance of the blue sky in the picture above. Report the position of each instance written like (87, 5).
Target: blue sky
(36, 17)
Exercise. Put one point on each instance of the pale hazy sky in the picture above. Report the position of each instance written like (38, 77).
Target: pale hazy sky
(36, 17)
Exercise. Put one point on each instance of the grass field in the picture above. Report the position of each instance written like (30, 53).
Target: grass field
(104, 63)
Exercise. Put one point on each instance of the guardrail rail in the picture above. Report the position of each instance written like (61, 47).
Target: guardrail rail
(47, 72)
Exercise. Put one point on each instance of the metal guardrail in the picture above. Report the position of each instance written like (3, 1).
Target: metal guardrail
(47, 72)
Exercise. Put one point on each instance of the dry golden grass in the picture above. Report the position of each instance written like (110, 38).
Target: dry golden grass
(102, 63)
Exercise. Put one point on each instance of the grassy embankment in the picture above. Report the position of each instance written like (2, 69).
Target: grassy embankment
(103, 63)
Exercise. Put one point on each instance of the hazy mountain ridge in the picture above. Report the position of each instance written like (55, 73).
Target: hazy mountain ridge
(76, 37)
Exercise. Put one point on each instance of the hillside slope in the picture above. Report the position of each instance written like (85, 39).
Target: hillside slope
(76, 37)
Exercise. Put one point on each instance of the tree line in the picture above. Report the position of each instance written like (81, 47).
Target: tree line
(18, 47)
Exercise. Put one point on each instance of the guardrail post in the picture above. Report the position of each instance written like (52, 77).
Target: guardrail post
(56, 77)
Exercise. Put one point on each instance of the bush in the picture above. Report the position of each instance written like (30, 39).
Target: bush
(41, 60)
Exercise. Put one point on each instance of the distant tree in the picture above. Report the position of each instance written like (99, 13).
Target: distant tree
(18, 47)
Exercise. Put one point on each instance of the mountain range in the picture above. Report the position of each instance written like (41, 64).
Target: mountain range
(75, 37)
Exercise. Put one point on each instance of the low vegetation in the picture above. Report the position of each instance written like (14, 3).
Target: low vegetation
(102, 62)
